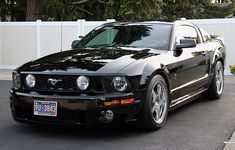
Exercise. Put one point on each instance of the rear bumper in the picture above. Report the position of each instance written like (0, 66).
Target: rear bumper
(73, 110)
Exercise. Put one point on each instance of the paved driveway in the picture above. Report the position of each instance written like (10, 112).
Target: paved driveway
(200, 125)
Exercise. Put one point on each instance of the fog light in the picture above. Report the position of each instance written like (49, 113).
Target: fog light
(108, 115)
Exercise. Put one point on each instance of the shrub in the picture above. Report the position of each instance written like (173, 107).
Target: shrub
(232, 69)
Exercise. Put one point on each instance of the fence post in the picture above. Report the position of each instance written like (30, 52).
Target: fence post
(61, 36)
(0, 47)
(80, 27)
(83, 27)
(38, 42)
(110, 20)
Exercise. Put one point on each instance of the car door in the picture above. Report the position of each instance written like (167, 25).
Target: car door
(193, 62)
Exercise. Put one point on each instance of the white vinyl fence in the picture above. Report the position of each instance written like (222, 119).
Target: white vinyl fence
(25, 41)
(21, 42)
(224, 27)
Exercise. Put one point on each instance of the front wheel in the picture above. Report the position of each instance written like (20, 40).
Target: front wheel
(217, 84)
(156, 104)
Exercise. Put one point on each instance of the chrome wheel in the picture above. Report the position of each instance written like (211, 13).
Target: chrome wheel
(216, 87)
(159, 102)
(219, 79)
(156, 105)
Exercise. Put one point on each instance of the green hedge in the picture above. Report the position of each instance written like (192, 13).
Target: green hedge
(232, 69)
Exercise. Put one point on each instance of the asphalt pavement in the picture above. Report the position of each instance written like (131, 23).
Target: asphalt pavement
(200, 125)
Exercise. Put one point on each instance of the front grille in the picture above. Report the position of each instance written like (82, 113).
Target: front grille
(67, 83)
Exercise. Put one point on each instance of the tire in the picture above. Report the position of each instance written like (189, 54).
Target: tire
(156, 104)
(217, 84)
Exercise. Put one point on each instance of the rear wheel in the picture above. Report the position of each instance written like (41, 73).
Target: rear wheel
(217, 84)
(156, 104)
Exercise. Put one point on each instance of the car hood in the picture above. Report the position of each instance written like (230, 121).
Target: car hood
(104, 60)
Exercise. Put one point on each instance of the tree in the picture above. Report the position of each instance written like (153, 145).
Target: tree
(13, 10)
(194, 9)
(139, 9)
(33, 10)
(73, 9)
(3, 10)
(122, 10)
(173, 9)
(218, 12)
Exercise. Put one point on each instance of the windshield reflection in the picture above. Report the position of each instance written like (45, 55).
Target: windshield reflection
(155, 36)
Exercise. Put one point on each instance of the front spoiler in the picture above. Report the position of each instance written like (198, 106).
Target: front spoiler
(72, 110)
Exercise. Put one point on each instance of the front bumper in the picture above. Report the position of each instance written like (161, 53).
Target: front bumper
(73, 110)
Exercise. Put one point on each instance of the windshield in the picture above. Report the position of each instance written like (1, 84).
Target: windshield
(156, 36)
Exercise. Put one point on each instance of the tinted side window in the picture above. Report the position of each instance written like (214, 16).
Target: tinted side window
(187, 32)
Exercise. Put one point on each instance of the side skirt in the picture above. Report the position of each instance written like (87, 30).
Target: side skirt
(187, 98)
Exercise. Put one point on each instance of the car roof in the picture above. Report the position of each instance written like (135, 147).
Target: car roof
(148, 22)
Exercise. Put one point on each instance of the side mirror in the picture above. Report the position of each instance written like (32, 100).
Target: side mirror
(74, 43)
(80, 36)
(186, 43)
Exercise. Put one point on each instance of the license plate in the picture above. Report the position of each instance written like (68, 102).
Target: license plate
(45, 108)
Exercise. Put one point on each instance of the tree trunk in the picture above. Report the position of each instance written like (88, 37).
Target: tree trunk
(3, 16)
(3, 7)
(33, 10)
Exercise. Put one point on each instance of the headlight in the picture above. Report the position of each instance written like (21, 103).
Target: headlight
(120, 83)
(16, 79)
(30, 81)
(83, 82)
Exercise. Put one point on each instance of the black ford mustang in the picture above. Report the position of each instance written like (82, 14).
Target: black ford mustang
(121, 71)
